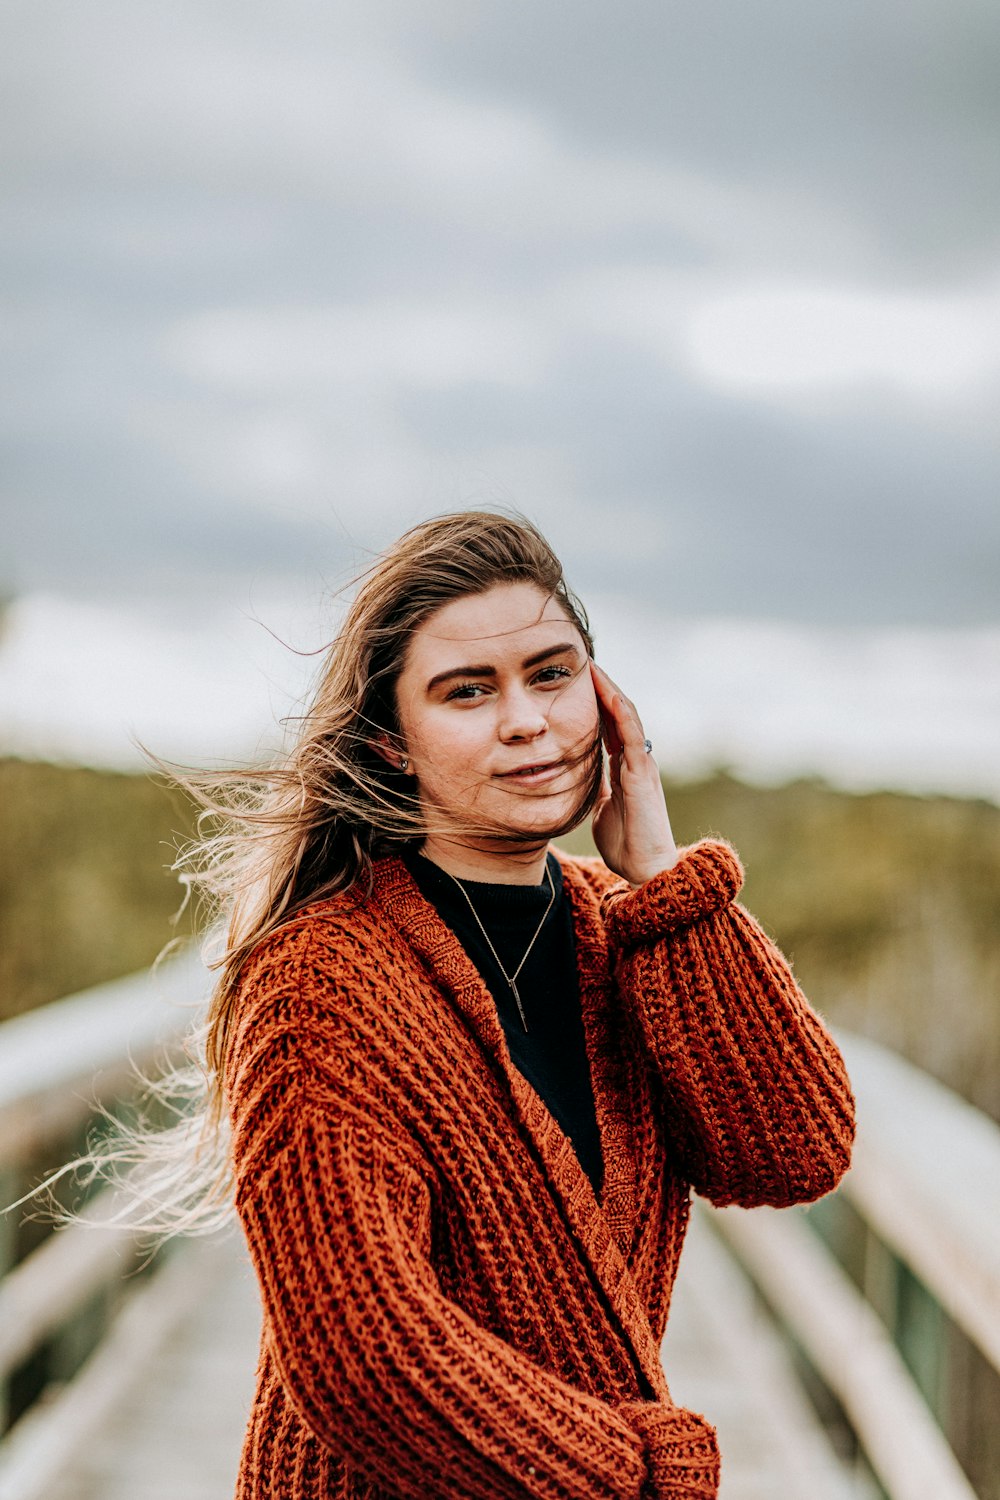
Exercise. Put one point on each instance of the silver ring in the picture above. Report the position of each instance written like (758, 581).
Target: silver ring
(647, 745)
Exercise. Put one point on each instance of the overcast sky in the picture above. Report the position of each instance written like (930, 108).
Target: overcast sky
(712, 291)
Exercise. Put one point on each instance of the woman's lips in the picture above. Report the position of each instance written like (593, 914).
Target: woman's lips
(533, 775)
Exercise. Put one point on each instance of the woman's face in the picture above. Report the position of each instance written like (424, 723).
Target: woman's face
(498, 715)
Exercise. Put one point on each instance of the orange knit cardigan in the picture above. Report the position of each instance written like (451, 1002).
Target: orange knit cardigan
(449, 1312)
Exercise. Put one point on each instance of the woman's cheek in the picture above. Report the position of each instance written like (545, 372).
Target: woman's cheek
(585, 705)
(454, 738)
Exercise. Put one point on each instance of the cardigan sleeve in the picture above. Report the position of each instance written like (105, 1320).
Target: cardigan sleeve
(754, 1086)
(396, 1377)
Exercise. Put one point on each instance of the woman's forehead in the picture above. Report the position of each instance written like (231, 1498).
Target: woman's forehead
(490, 618)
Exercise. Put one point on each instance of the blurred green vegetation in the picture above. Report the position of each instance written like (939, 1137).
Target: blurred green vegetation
(886, 904)
(85, 889)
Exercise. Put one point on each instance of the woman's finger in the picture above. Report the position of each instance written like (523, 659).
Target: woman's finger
(629, 732)
(609, 691)
(606, 693)
(603, 686)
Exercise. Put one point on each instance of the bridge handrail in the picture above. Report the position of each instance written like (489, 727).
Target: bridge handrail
(50, 1285)
(851, 1351)
(59, 1066)
(58, 1060)
(926, 1178)
(73, 1038)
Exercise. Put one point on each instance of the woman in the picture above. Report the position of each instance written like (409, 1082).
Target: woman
(472, 1081)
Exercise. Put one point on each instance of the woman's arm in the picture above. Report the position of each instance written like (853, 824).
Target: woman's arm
(753, 1084)
(397, 1378)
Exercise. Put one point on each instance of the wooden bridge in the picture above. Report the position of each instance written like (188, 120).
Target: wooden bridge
(846, 1352)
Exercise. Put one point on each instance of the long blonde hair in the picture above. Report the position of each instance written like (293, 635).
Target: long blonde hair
(274, 839)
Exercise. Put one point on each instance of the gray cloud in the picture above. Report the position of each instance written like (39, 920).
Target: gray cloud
(277, 284)
(893, 117)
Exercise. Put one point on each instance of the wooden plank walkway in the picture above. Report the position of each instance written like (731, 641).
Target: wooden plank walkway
(178, 1431)
(723, 1357)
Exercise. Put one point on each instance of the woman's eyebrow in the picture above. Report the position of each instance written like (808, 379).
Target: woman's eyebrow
(487, 671)
(540, 656)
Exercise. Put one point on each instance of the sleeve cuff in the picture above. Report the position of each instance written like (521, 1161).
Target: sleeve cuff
(681, 1451)
(706, 878)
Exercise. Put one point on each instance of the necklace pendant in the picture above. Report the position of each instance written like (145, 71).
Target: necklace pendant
(510, 978)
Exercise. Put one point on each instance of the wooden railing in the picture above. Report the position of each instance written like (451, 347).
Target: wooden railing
(76, 1300)
(888, 1290)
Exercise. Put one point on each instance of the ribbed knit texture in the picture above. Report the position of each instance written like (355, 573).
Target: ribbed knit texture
(449, 1313)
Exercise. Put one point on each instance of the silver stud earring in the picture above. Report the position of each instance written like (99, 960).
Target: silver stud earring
(403, 764)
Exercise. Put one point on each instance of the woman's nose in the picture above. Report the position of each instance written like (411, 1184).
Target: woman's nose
(521, 718)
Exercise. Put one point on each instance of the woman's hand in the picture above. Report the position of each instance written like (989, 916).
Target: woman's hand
(630, 823)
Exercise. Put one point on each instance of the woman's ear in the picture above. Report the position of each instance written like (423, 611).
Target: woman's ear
(384, 745)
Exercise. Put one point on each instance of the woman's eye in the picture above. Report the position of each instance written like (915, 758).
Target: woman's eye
(552, 674)
(465, 692)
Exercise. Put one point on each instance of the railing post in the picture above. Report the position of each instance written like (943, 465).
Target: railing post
(913, 1316)
(921, 1336)
(59, 1066)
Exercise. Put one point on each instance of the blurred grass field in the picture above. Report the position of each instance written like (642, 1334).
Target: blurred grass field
(85, 888)
(888, 905)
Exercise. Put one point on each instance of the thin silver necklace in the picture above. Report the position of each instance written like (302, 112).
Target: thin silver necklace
(511, 978)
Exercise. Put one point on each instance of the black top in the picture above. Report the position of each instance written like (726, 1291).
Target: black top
(551, 1054)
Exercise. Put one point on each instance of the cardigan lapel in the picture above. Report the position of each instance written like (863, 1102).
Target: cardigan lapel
(603, 1229)
(606, 1055)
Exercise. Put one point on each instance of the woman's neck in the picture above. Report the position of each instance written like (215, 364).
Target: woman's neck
(509, 865)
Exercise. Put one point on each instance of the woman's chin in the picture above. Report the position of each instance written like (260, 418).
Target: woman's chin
(505, 819)
(543, 816)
